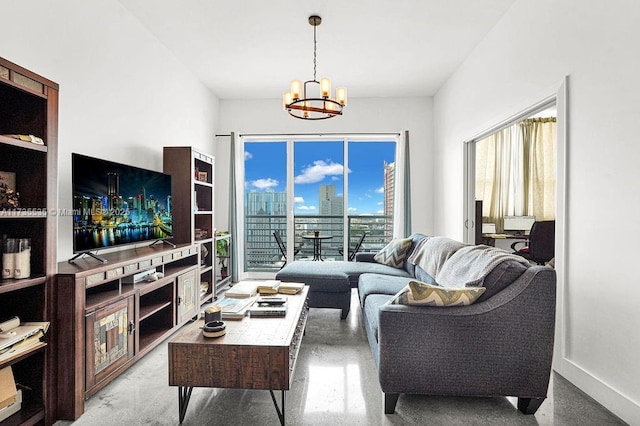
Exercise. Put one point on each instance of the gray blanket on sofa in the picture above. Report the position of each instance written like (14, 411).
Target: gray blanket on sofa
(454, 264)
(432, 253)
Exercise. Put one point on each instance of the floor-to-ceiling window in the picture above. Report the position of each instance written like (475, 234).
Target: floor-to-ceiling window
(340, 187)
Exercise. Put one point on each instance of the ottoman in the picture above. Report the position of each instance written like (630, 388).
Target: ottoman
(328, 287)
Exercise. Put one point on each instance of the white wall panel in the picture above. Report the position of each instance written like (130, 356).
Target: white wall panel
(523, 60)
(123, 95)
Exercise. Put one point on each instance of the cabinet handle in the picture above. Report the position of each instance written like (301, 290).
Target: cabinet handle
(132, 327)
(179, 300)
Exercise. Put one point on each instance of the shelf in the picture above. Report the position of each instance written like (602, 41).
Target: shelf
(17, 284)
(203, 212)
(23, 144)
(203, 183)
(23, 355)
(156, 298)
(204, 269)
(171, 271)
(105, 298)
(31, 413)
(145, 287)
(147, 311)
(153, 336)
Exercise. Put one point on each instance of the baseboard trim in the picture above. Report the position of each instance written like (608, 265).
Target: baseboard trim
(619, 404)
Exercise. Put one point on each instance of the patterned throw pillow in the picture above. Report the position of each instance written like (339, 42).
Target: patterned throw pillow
(423, 294)
(394, 253)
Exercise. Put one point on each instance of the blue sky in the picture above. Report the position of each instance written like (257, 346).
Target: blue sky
(321, 163)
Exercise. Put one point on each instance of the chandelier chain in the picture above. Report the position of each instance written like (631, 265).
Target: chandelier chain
(315, 48)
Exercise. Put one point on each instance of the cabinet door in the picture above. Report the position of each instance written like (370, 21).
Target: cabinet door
(188, 296)
(109, 340)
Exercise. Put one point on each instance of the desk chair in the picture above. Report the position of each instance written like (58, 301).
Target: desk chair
(355, 249)
(283, 248)
(541, 246)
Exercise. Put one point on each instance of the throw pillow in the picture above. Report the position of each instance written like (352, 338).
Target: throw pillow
(423, 294)
(394, 253)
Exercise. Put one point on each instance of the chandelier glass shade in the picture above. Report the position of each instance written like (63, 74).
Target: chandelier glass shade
(312, 99)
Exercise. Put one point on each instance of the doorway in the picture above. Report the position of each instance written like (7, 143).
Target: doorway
(511, 173)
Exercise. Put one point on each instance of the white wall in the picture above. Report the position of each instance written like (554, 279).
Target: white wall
(524, 59)
(123, 96)
(369, 115)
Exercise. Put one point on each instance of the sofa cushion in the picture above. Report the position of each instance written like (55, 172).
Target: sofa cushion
(320, 276)
(380, 284)
(422, 275)
(372, 312)
(416, 239)
(355, 269)
(423, 294)
(394, 253)
(302, 271)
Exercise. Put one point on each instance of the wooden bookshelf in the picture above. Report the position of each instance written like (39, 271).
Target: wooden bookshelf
(29, 106)
(192, 173)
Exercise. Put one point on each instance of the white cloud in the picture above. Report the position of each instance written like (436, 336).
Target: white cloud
(318, 171)
(248, 155)
(381, 203)
(380, 190)
(266, 183)
(298, 200)
(380, 211)
(306, 207)
(352, 209)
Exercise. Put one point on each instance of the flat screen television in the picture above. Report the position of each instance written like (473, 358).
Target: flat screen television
(116, 204)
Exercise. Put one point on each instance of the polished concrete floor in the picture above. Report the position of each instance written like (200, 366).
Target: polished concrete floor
(335, 383)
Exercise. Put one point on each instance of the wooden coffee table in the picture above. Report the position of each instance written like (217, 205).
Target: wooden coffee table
(256, 353)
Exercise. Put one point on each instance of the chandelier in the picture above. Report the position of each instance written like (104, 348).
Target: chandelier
(299, 103)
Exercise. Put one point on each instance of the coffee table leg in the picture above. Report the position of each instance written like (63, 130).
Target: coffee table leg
(184, 394)
(279, 410)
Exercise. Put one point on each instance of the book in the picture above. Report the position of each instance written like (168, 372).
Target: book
(13, 332)
(17, 337)
(290, 288)
(234, 308)
(263, 310)
(8, 391)
(243, 289)
(268, 287)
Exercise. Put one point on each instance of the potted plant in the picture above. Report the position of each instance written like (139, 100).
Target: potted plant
(222, 250)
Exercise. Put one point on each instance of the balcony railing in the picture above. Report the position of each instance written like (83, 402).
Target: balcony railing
(262, 252)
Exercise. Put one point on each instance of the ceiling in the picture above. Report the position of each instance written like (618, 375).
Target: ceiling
(252, 49)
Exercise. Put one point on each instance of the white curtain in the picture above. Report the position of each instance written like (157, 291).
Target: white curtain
(515, 171)
(539, 182)
(402, 193)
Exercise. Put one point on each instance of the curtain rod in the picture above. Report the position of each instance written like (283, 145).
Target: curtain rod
(320, 134)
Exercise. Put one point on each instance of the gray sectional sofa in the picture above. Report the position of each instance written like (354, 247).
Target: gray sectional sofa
(501, 345)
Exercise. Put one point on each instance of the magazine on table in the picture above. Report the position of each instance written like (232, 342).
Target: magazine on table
(290, 288)
(243, 289)
(234, 308)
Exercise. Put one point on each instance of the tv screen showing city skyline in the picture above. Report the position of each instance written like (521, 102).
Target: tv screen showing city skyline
(115, 204)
